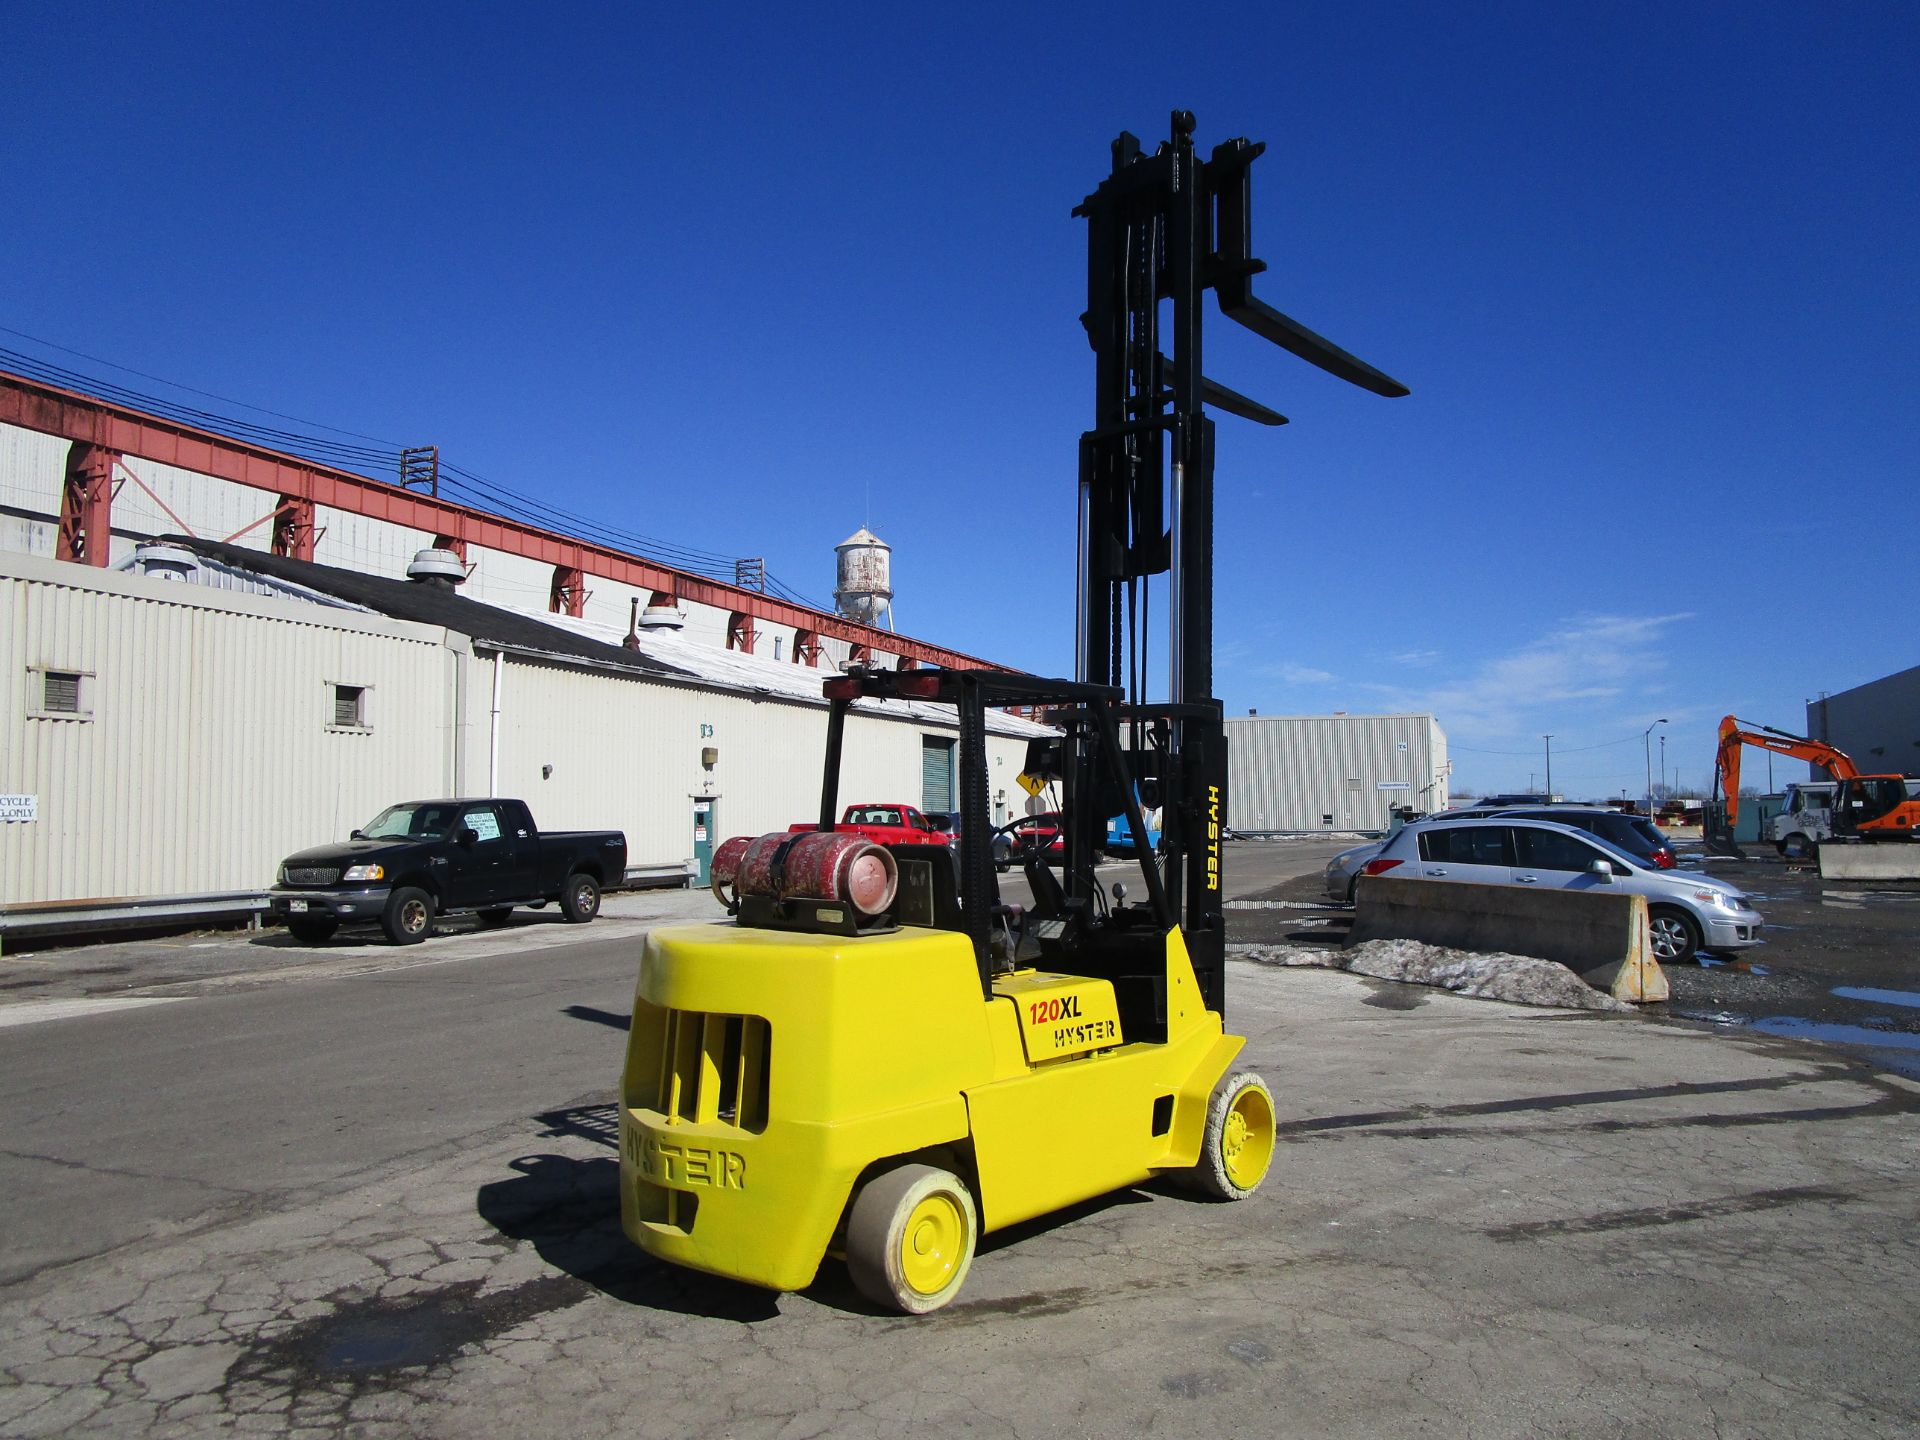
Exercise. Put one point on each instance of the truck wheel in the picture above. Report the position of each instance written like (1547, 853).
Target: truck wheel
(1797, 847)
(1238, 1147)
(580, 901)
(408, 916)
(910, 1238)
(1675, 936)
(494, 918)
(313, 929)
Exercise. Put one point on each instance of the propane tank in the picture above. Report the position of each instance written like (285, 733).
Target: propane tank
(724, 866)
(811, 865)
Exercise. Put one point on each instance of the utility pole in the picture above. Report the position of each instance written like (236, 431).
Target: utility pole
(1646, 744)
(1549, 740)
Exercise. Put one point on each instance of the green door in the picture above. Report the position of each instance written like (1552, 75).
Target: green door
(706, 813)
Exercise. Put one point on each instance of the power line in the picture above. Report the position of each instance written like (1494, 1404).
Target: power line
(1523, 754)
(488, 494)
(176, 385)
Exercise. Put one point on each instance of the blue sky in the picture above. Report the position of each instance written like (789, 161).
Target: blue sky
(746, 278)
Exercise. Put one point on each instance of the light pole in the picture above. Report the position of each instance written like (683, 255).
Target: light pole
(1647, 744)
(1663, 760)
(1549, 740)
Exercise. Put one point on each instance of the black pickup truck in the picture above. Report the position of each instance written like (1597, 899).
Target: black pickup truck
(445, 857)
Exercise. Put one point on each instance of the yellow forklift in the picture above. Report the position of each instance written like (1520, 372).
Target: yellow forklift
(879, 1059)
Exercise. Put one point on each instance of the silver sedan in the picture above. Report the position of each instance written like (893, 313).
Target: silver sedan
(1344, 868)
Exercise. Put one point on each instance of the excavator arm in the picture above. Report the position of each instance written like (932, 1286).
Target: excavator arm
(1735, 733)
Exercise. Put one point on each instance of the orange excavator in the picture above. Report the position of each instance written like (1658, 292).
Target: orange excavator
(1865, 807)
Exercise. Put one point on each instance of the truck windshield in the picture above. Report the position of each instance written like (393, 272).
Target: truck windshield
(412, 822)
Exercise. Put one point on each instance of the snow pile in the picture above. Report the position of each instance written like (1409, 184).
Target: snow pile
(1516, 979)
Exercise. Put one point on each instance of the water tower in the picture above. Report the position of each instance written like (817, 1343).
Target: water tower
(864, 588)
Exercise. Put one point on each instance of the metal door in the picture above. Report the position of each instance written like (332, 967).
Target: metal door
(706, 815)
(936, 773)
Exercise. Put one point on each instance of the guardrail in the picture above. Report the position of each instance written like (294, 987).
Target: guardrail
(106, 914)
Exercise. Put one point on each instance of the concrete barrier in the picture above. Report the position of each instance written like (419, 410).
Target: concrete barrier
(1870, 860)
(1601, 936)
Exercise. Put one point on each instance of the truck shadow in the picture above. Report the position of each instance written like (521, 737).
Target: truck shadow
(363, 933)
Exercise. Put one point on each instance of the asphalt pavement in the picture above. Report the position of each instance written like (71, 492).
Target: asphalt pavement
(365, 1191)
(1840, 963)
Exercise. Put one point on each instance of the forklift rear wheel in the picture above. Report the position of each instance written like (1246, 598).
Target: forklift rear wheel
(1239, 1141)
(408, 916)
(910, 1238)
(495, 915)
(312, 929)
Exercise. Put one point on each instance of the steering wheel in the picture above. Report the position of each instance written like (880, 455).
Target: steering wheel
(1021, 848)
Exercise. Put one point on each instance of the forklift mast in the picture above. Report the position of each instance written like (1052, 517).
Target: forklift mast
(1161, 230)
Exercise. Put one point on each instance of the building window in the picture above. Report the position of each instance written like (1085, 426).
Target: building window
(350, 707)
(59, 694)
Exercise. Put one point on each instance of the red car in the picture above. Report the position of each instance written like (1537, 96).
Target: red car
(886, 824)
(1030, 836)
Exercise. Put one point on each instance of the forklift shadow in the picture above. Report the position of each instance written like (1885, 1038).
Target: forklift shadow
(1072, 1215)
(569, 1211)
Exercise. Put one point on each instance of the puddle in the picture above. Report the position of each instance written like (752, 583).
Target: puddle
(1893, 1050)
(1796, 1028)
(1909, 998)
(1746, 967)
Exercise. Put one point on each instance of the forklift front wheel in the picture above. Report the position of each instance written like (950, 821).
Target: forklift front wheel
(1239, 1142)
(910, 1238)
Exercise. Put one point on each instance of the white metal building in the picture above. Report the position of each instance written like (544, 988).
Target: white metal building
(169, 739)
(153, 499)
(1292, 774)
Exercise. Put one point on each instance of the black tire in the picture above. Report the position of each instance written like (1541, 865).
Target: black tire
(911, 1237)
(1675, 935)
(580, 900)
(494, 918)
(312, 929)
(408, 917)
(1798, 847)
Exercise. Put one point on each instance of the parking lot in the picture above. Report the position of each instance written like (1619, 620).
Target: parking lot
(370, 1191)
(1838, 965)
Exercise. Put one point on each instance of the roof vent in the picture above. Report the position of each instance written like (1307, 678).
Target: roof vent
(165, 562)
(441, 568)
(662, 617)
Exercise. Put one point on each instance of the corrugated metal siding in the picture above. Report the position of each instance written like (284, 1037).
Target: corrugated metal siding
(208, 754)
(32, 468)
(626, 754)
(1291, 773)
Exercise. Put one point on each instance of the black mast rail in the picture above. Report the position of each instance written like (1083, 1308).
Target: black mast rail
(1161, 230)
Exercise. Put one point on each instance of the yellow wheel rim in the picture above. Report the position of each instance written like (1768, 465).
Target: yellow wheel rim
(1246, 1141)
(932, 1243)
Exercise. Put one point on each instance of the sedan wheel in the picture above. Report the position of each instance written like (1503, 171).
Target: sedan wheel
(1675, 937)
